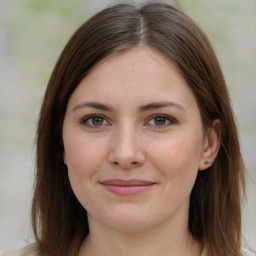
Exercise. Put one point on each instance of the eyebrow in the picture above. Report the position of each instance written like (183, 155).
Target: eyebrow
(143, 108)
(162, 104)
(93, 104)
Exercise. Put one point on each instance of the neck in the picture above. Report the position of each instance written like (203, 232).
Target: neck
(168, 239)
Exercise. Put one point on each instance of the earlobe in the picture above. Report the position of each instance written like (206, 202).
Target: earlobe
(211, 145)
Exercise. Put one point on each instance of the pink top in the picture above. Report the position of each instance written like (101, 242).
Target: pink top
(25, 252)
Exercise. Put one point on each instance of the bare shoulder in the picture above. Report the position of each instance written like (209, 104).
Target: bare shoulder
(204, 252)
(20, 252)
(12, 253)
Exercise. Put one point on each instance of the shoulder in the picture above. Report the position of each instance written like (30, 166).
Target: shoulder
(20, 252)
(204, 252)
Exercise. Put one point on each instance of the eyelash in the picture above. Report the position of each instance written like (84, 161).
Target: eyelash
(166, 118)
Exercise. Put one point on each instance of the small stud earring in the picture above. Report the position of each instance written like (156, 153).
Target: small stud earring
(208, 162)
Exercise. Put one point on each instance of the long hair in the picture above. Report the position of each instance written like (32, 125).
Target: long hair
(59, 221)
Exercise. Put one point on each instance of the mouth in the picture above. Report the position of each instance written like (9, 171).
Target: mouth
(127, 187)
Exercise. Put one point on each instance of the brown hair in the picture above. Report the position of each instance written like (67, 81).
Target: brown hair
(59, 221)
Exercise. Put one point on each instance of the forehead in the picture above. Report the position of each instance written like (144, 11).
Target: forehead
(134, 76)
(141, 59)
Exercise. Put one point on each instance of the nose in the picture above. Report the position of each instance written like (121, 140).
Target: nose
(126, 150)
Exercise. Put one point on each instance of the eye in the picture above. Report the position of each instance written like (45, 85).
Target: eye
(95, 121)
(161, 121)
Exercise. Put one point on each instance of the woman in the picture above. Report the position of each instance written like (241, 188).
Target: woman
(137, 148)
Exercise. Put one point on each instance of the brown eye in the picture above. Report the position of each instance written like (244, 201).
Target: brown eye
(94, 121)
(161, 121)
(97, 120)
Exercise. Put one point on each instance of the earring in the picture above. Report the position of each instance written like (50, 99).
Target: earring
(208, 162)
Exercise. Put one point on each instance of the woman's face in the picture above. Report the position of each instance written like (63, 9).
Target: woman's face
(133, 142)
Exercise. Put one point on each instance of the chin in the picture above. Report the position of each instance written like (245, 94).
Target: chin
(132, 219)
(132, 225)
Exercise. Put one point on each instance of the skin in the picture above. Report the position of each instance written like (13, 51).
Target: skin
(165, 145)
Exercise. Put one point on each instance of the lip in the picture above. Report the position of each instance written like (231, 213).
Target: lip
(127, 187)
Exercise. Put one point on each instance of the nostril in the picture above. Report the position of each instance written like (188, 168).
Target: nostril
(125, 165)
(115, 163)
(126, 159)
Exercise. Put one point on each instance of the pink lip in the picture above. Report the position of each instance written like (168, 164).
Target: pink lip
(127, 187)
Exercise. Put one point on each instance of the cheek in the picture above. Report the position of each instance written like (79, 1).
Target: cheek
(82, 155)
(83, 162)
(178, 159)
(83, 159)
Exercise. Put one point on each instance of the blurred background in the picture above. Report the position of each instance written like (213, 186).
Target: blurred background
(32, 35)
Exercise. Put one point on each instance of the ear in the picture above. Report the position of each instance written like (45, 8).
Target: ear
(211, 145)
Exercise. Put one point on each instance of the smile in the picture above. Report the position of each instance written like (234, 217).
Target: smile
(127, 187)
